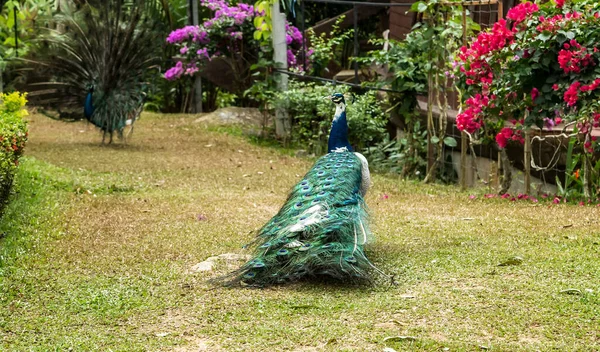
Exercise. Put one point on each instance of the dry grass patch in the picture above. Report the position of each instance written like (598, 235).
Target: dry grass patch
(111, 268)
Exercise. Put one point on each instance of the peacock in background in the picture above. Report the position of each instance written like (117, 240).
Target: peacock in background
(322, 228)
(95, 64)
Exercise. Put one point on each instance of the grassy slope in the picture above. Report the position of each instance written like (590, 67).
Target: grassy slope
(99, 240)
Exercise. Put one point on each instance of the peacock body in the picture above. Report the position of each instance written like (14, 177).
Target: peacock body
(322, 228)
(95, 65)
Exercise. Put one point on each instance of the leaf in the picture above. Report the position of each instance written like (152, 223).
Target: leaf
(544, 36)
(435, 139)
(399, 338)
(450, 141)
(571, 291)
(516, 260)
(258, 20)
(419, 7)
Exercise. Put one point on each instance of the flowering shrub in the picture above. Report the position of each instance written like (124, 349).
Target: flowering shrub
(538, 68)
(13, 135)
(228, 34)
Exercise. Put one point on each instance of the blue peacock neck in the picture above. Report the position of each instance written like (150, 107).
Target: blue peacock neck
(338, 137)
(88, 108)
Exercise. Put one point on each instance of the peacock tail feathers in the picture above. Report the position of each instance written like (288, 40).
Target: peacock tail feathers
(320, 230)
(102, 52)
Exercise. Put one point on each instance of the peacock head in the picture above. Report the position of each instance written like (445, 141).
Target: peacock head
(337, 98)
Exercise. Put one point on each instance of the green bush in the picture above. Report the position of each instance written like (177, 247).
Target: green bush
(13, 135)
(312, 115)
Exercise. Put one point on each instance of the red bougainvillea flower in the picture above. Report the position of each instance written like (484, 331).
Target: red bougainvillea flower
(534, 94)
(521, 11)
(571, 94)
(574, 57)
(560, 3)
(505, 135)
(596, 117)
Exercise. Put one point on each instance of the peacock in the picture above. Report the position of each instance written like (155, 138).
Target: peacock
(95, 64)
(322, 228)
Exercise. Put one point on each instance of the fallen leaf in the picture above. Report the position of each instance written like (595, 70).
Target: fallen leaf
(406, 295)
(516, 260)
(163, 334)
(567, 226)
(399, 338)
(571, 291)
(201, 217)
(208, 145)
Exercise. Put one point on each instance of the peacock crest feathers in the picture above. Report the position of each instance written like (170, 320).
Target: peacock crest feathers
(320, 230)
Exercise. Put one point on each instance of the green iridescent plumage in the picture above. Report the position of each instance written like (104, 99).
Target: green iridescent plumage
(320, 230)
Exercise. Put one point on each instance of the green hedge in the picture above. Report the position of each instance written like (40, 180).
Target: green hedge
(312, 115)
(13, 135)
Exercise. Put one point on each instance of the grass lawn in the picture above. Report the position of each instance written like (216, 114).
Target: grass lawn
(98, 243)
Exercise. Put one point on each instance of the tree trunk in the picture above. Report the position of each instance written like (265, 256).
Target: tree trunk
(282, 121)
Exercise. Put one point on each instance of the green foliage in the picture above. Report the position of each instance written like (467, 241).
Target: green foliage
(325, 48)
(404, 155)
(262, 24)
(312, 115)
(13, 136)
(27, 12)
(418, 65)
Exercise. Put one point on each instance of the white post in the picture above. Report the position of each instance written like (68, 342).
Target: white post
(282, 123)
(198, 79)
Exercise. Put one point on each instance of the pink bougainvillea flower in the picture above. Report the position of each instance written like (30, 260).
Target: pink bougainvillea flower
(505, 195)
(556, 200)
(520, 12)
(472, 196)
(534, 94)
(384, 196)
(571, 94)
(504, 136)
